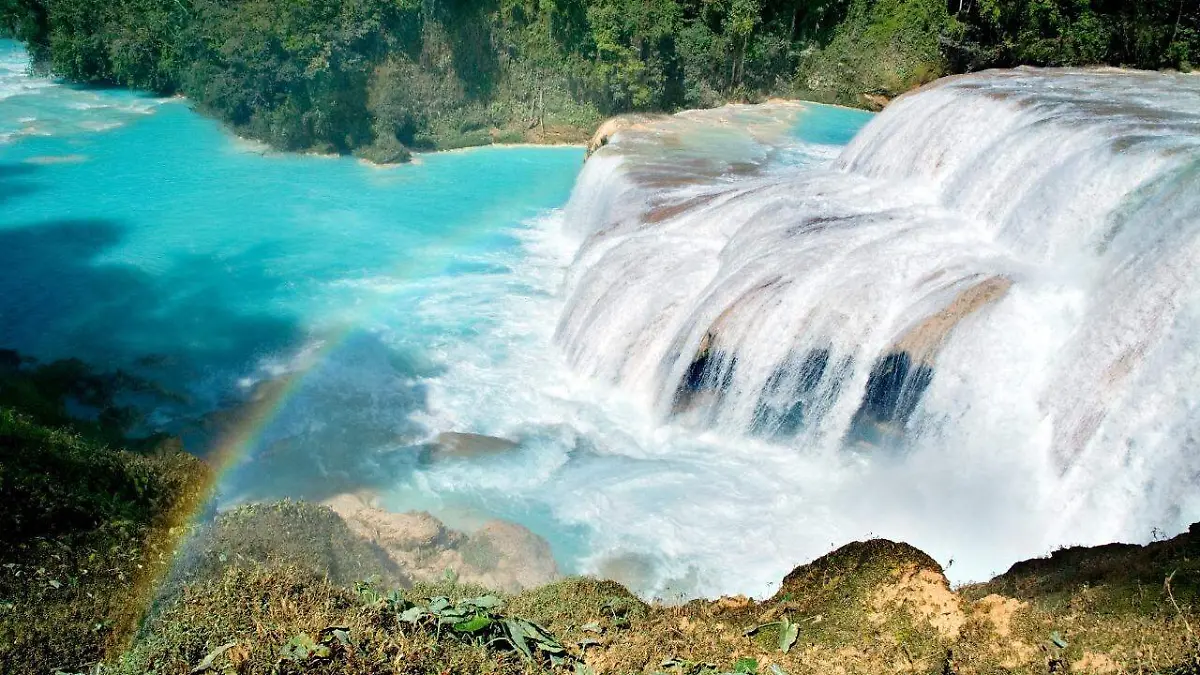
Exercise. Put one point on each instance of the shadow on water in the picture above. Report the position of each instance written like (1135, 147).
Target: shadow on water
(12, 181)
(342, 426)
(60, 299)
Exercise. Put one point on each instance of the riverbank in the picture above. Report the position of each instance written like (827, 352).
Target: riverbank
(381, 78)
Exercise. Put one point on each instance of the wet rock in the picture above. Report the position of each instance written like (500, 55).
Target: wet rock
(459, 444)
(901, 376)
(385, 151)
(613, 125)
(875, 101)
(411, 532)
(500, 555)
(894, 388)
(794, 391)
(508, 556)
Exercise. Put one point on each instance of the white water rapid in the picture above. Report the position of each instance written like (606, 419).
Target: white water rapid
(982, 318)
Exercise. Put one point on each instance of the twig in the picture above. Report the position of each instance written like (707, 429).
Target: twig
(1171, 596)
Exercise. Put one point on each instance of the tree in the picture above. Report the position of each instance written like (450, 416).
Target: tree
(744, 16)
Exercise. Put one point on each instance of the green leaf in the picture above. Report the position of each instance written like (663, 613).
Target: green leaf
(746, 665)
(593, 627)
(788, 633)
(1058, 641)
(473, 625)
(516, 637)
(413, 614)
(207, 662)
(484, 602)
(339, 634)
(453, 615)
(301, 648)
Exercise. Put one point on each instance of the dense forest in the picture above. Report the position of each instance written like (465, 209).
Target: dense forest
(381, 76)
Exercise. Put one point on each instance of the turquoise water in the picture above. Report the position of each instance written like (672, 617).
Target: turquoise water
(387, 305)
(165, 240)
(138, 235)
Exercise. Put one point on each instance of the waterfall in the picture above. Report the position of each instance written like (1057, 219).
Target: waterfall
(997, 277)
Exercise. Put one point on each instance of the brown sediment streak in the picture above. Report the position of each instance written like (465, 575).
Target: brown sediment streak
(732, 309)
(922, 341)
(1076, 430)
(612, 126)
(667, 211)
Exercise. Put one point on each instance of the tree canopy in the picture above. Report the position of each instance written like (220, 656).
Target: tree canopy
(382, 76)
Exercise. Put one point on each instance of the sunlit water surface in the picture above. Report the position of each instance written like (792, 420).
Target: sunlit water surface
(392, 304)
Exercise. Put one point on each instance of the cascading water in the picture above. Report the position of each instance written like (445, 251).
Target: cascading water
(970, 330)
(988, 304)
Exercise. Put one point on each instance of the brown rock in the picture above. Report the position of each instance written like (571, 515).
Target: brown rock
(459, 444)
(509, 556)
(875, 102)
(501, 555)
(613, 125)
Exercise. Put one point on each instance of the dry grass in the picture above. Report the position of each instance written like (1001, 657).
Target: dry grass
(869, 607)
(271, 588)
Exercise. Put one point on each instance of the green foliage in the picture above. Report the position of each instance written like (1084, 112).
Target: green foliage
(281, 619)
(374, 75)
(1143, 34)
(746, 665)
(787, 633)
(1123, 579)
(883, 47)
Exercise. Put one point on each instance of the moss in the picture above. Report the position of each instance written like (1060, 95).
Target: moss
(1118, 578)
(85, 532)
(288, 534)
(571, 603)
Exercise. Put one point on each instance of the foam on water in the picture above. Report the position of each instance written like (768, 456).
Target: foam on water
(981, 316)
(39, 106)
(1041, 273)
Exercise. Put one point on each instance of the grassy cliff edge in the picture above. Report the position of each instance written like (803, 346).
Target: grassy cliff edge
(91, 581)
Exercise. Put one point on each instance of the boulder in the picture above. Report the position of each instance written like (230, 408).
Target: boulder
(460, 444)
(507, 556)
(500, 555)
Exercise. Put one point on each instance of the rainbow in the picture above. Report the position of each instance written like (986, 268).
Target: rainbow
(252, 420)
